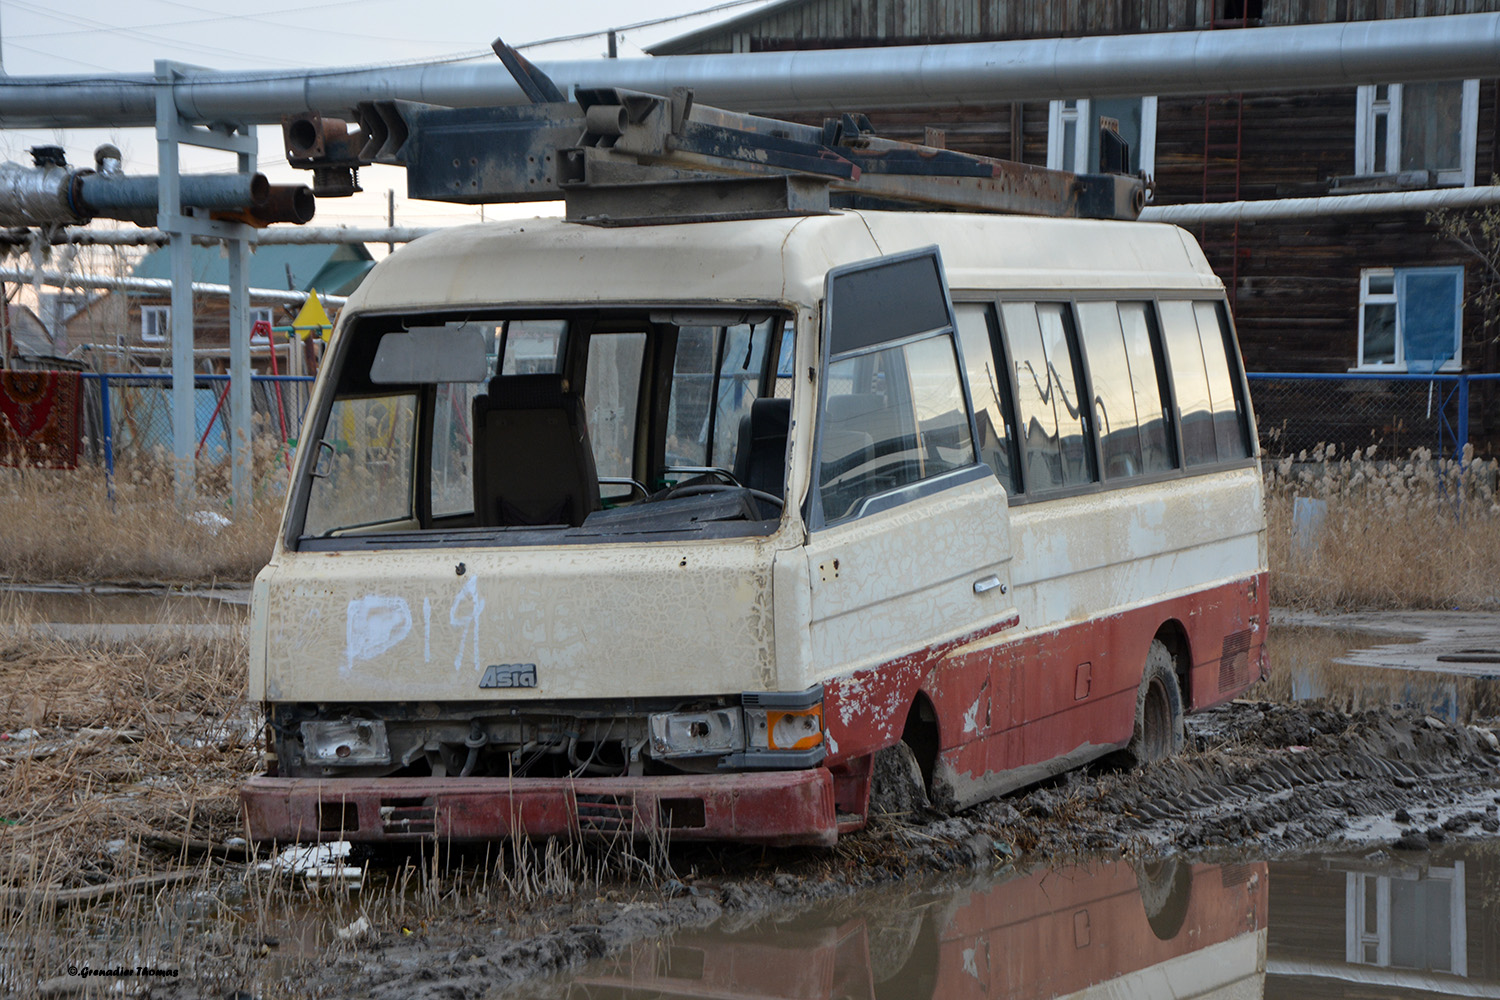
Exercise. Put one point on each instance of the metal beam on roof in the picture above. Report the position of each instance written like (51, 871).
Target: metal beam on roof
(1296, 57)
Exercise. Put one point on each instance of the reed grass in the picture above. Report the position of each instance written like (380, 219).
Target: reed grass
(1418, 532)
(63, 525)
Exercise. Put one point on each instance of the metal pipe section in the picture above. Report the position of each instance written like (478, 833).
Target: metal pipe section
(106, 194)
(38, 196)
(1382, 203)
(267, 237)
(1294, 57)
(159, 285)
(53, 194)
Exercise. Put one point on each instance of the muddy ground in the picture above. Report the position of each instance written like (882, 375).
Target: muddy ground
(1257, 780)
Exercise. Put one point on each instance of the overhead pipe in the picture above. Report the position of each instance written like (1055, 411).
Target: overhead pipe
(161, 286)
(1292, 57)
(51, 193)
(278, 236)
(1382, 203)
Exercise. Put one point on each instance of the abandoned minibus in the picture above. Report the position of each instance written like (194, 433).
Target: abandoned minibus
(671, 529)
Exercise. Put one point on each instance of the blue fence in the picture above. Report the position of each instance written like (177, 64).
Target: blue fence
(128, 415)
(1397, 413)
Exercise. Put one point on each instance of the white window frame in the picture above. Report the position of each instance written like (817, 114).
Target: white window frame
(256, 315)
(150, 327)
(1358, 936)
(1060, 118)
(1372, 115)
(1393, 298)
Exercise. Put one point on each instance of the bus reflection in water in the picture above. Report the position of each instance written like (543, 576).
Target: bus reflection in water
(1171, 930)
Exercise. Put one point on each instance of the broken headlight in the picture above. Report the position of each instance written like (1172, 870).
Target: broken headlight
(697, 734)
(345, 742)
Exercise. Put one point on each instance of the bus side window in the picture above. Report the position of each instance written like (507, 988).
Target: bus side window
(989, 389)
(1148, 377)
(1113, 388)
(1229, 423)
(1189, 383)
(1047, 400)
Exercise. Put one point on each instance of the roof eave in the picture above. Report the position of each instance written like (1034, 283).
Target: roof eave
(683, 43)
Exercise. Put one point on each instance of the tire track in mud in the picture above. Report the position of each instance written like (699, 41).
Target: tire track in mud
(1274, 779)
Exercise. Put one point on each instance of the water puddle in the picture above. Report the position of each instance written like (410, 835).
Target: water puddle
(115, 614)
(1380, 924)
(124, 605)
(1429, 668)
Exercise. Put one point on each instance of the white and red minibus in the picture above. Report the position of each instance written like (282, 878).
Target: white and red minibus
(675, 527)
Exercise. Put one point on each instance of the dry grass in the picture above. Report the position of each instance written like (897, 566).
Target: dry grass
(115, 812)
(63, 526)
(1416, 533)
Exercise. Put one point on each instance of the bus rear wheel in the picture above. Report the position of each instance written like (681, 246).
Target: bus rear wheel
(1159, 728)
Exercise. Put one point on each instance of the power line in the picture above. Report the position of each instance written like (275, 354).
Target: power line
(260, 18)
(253, 76)
(145, 36)
(642, 24)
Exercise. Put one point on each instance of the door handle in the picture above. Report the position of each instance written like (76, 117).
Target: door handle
(986, 584)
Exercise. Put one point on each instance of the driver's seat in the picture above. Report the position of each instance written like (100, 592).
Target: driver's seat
(760, 459)
(533, 464)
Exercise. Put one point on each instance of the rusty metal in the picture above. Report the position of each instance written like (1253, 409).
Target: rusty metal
(689, 200)
(536, 85)
(327, 148)
(52, 193)
(681, 160)
(778, 808)
(293, 203)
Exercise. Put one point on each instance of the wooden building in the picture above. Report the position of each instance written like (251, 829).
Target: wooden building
(1309, 295)
(132, 330)
(1426, 925)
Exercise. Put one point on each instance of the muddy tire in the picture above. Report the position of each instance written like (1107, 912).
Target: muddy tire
(1166, 889)
(896, 786)
(1159, 730)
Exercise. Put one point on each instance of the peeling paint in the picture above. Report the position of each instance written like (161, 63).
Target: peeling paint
(971, 717)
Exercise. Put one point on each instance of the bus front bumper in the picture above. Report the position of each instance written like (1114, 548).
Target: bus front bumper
(776, 807)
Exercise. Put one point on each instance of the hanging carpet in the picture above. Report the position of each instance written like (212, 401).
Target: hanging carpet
(40, 418)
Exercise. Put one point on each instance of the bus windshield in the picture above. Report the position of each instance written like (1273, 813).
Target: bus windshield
(583, 424)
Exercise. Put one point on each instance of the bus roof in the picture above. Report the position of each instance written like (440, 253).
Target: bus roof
(548, 261)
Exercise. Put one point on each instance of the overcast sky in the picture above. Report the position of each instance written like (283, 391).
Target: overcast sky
(86, 37)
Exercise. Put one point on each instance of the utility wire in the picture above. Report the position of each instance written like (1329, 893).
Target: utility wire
(258, 76)
(192, 21)
(190, 46)
(642, 24)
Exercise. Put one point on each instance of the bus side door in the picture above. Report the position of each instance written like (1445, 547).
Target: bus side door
(909, 547)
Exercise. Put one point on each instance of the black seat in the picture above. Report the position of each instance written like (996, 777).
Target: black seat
(760, 460)
(533, 463)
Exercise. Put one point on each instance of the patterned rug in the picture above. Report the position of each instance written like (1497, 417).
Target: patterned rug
(40, 418)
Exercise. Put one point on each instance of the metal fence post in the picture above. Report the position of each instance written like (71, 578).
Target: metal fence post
(1463, 415)
(109, 435)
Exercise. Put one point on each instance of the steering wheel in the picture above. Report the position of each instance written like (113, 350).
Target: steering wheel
(705, 470)
(700, 489)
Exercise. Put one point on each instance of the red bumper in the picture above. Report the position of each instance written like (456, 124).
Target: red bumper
(779, 807)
